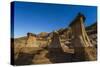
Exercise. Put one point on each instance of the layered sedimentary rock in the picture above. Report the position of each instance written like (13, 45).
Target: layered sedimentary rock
(55, 44)
(56, 53)
(84, 49)
(31, 40)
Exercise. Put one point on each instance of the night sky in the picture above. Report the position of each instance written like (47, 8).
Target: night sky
(39, 17)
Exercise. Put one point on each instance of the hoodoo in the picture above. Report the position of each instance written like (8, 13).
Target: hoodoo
(31, 40)
(56, 53)
(84, 49)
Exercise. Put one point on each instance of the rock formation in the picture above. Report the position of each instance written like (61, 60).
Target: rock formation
(84, 49)
(56, 53)
(55, 45)
(31, 40)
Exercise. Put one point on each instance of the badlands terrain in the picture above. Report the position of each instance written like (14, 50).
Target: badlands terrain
(74, 43)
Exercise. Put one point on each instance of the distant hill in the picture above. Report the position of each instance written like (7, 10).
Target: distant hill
(43, 34)
(92, 29)
(20, 39)
(93, 26)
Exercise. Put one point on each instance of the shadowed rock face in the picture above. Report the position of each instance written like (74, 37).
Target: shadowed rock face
(55, 41)
(56, 53)
(72, 44)
(24, 59)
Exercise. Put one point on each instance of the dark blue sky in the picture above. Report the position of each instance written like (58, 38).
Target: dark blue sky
(37, 17)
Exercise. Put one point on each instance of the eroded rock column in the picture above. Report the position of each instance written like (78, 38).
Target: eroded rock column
(84, 50)
(31, 40)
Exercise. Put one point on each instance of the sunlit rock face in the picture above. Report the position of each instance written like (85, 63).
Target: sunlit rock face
(31, 40)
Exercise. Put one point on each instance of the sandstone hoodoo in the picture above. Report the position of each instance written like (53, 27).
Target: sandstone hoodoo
(56, 53)
(84, 49)
(31, 40)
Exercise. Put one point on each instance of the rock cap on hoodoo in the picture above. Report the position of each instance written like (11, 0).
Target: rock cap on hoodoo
(31, 34)
(77, 18)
